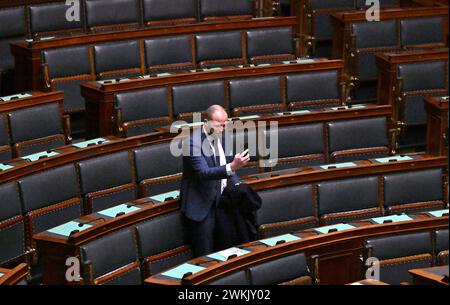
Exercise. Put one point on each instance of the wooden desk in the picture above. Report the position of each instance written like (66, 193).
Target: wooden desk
(99, 97)
(339, 252)
(430, 276)
(437, 126)
(35, 98)
(13, 276)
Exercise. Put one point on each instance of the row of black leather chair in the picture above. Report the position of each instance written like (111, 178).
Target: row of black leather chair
(384, 36)
(23, 132)
(290, 208)
(101, 15)
(143, 110)
(399, 253)
(162, 54)
(156, 253)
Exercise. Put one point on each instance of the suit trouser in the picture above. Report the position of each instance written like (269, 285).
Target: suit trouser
(201, 234)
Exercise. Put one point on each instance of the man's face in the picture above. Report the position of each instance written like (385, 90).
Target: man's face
(218, 122)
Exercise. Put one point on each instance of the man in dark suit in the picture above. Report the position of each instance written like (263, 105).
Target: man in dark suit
(206, 173)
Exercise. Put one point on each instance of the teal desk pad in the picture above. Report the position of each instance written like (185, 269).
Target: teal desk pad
(90, 142)
(112, 81)
(121, 208)
(35, 157)
(339, 227)
(294, 112)
(218, 256)
(1, 274)
(181, 270)
(393, 218)
(162, 197)
(42, 38)
(250, 66)
(188, 125)
(9, 97)
(68, 227)
(438, 213)
(248, 117)
(273, 240)
(299, 61)
(4, 167)
(339, 165)
(396, 158)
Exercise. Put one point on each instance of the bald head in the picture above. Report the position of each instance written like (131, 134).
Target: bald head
(216, 117)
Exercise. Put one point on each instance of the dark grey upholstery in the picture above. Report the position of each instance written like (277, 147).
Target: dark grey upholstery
(103, 173)
(161, 234)
(59, 66)
(375, 34)
(423, 75)
(197, 97)
(111, 12)
(360, 4)
(5, 149)
(218, 46)
(110, 253)
(26, 124)
(12, 27)
(157, 10)
(255, 91)
(279, 270)
(427, 186)
(416, 31)
(141, 105)
(348, 195)
(323, 28)
(236, 278)
(401, 246)
(148, 167)
(50, 17)
(358, 134)
(321, 4)
(47, 188)
(215, 8)
(286, 204)
(269, 41)
(168, 50)
(309, 139)
(115, 56)
(313, 86)
(12, 236)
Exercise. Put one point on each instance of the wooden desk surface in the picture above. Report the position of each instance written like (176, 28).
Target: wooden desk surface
(13, 276)
(430, 276)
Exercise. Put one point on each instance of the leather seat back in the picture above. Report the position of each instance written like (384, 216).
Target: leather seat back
(50, 193)
(5, 149)
(197, 97)
(109, 173)
(120, 56)
(50, 19)
(219, 8)
(110, 253)
(153, 177)
(286, 204)
(12, 229)
(399, 253)
(321, 88)
(346, 199)
(168, 53)
(420, 31)
(427, 186)
(117, 14)
(279, 270)
(362, 134)
(12, 27)
(163, 10)
(256, 94)
(236, 278)
(270, 42)
(152, 238)
(222, 48)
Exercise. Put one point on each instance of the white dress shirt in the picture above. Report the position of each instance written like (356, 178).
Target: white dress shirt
(222, 158)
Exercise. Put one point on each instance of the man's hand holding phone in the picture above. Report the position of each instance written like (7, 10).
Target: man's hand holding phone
(240, 160)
